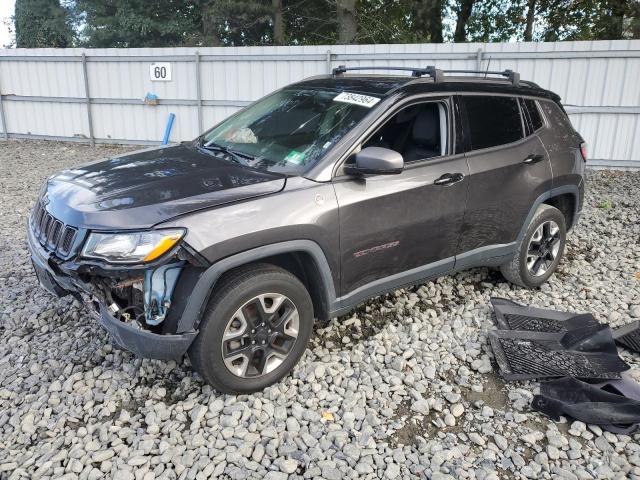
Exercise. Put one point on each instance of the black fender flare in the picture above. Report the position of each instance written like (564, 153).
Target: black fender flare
(554, 192)
(205, 284)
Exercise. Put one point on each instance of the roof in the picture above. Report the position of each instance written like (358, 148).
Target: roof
(384, 85)
(379, 85)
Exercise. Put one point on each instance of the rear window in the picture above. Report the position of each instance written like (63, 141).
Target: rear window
(493, 121)
(533, 114)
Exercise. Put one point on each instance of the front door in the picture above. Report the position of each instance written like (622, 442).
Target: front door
(397, 229)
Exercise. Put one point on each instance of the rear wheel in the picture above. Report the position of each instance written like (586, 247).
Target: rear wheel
(540, 250)
(255, 329)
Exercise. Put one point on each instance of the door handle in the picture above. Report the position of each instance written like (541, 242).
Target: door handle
(533, 158)
(449, 179)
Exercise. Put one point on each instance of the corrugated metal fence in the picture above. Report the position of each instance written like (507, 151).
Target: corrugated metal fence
(97, 94)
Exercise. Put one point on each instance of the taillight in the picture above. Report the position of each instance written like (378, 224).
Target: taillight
(583, 150)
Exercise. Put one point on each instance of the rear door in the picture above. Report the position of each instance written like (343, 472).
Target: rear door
(508, 169)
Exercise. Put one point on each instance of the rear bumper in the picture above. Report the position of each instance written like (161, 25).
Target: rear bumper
(143, 343)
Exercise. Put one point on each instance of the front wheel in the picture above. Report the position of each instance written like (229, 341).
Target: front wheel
(255, 329)
(540, 250)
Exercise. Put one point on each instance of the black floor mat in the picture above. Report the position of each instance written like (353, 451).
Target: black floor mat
(586, 352)
(628, 336)
(591, 403)
(513, 316)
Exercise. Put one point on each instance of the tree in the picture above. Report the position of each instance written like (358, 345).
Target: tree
(239, 22)
(160, 23)
(496, 21)
(611, 21)
(137, 23)
(311, 22)
(427, 22)
(463, 11)
(347, 26)
(42, 23)
(278, 22)
(531, 12)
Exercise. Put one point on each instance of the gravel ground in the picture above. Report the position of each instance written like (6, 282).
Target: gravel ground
(403, 388)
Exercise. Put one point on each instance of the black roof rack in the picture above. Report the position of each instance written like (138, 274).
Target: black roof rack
(433, 72)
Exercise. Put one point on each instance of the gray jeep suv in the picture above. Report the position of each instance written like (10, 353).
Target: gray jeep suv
(303, 205)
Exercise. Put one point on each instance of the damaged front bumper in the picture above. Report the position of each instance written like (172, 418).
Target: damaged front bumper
(145, 343)
(127, 329)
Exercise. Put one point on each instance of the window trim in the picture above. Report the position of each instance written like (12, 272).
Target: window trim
(447, 98)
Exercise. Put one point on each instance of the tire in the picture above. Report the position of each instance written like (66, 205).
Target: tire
(522, 270)
(244, 299)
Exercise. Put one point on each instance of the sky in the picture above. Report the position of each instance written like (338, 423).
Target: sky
(6, 10)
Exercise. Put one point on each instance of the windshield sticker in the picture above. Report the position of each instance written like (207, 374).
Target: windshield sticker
(356, 99)
(295, 157)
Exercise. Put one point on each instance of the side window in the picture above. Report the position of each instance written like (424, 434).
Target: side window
(533, 113)
(493, 121)
(417, 132)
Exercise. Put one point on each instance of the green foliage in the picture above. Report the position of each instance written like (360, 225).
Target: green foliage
(310, 22)
(166, 23)
(41, 23)
(136, 23)
(606, 204)
(238, 22)
(497, 21)
(588, 19)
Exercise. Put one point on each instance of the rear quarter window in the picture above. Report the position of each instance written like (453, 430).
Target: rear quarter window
(535, 119)
(492, 121)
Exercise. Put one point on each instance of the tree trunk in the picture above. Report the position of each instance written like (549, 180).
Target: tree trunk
(278, 22)
(427, 20)
(434, 14)
(531, 12)
(210, 25)
(464, 13)
(347, 27)
(616, 25)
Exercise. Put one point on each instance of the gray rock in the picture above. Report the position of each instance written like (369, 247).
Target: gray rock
(420, 406)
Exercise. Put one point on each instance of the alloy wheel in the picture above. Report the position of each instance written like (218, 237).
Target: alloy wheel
(260, 335)
(543, 248)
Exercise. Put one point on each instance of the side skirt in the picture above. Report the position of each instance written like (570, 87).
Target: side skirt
(488, 256)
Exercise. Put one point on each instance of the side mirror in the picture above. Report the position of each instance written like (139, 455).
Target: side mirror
(376, 161)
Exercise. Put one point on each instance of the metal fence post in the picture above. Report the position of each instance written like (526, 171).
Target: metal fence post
(328, 61)
(87, 98)
(3, 118)
(479, 59)
(198, 92)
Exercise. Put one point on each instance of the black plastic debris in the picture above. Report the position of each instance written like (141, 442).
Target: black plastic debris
(513, 316)
(586, 352)
(613, 405)
(628, 336)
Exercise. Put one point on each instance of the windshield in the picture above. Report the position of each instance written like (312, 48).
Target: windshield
(290, 130)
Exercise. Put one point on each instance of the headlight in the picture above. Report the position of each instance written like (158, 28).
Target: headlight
(132, 247)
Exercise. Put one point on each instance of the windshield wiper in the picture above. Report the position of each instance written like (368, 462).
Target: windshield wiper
(235, 156)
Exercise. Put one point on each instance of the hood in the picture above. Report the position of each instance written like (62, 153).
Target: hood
(141, 189)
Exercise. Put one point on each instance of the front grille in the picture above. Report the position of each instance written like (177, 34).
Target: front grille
(52, 234)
